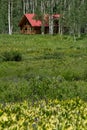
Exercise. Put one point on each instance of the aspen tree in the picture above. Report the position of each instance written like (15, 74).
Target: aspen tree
(10, 16)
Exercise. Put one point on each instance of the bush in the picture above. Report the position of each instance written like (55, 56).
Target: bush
(11, 56)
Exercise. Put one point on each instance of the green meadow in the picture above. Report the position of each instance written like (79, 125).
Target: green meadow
(36, 67)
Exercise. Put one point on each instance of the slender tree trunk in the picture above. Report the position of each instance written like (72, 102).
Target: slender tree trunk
(43, 22)
(51, 24)
(11, 16)
(10, 10)
(42, 28)
(79, 30)
(27, 6)
(59, 27)
(51, 17)
(74, 30)
(24, 7)
(33, 7)
(9, 20)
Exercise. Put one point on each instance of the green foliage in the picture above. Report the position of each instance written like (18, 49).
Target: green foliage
(44, 115)
(50, 67)
(11, 56)
(74, 19)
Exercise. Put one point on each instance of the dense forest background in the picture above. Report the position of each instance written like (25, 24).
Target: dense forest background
(73, 12)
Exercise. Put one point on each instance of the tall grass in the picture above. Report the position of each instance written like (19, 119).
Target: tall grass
(51, 67)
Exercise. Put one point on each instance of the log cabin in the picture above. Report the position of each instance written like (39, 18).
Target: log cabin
(29, 25)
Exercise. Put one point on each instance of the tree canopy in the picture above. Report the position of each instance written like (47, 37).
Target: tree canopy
(73, 12)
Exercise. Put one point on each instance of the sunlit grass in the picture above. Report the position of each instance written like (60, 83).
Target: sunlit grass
(53, 62)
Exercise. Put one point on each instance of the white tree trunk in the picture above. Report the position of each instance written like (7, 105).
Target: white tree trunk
(43, 22)
(51, 17)
(24, 8)
(9, 17)
(27, 6)
(51, 24)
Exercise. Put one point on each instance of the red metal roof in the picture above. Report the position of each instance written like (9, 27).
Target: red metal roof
(31, 19)
(33, 22)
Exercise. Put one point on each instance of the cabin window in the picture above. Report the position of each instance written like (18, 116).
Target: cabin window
(26, 29)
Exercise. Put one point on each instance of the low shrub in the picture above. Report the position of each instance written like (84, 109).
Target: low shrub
(11, 56)
(37, 88)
